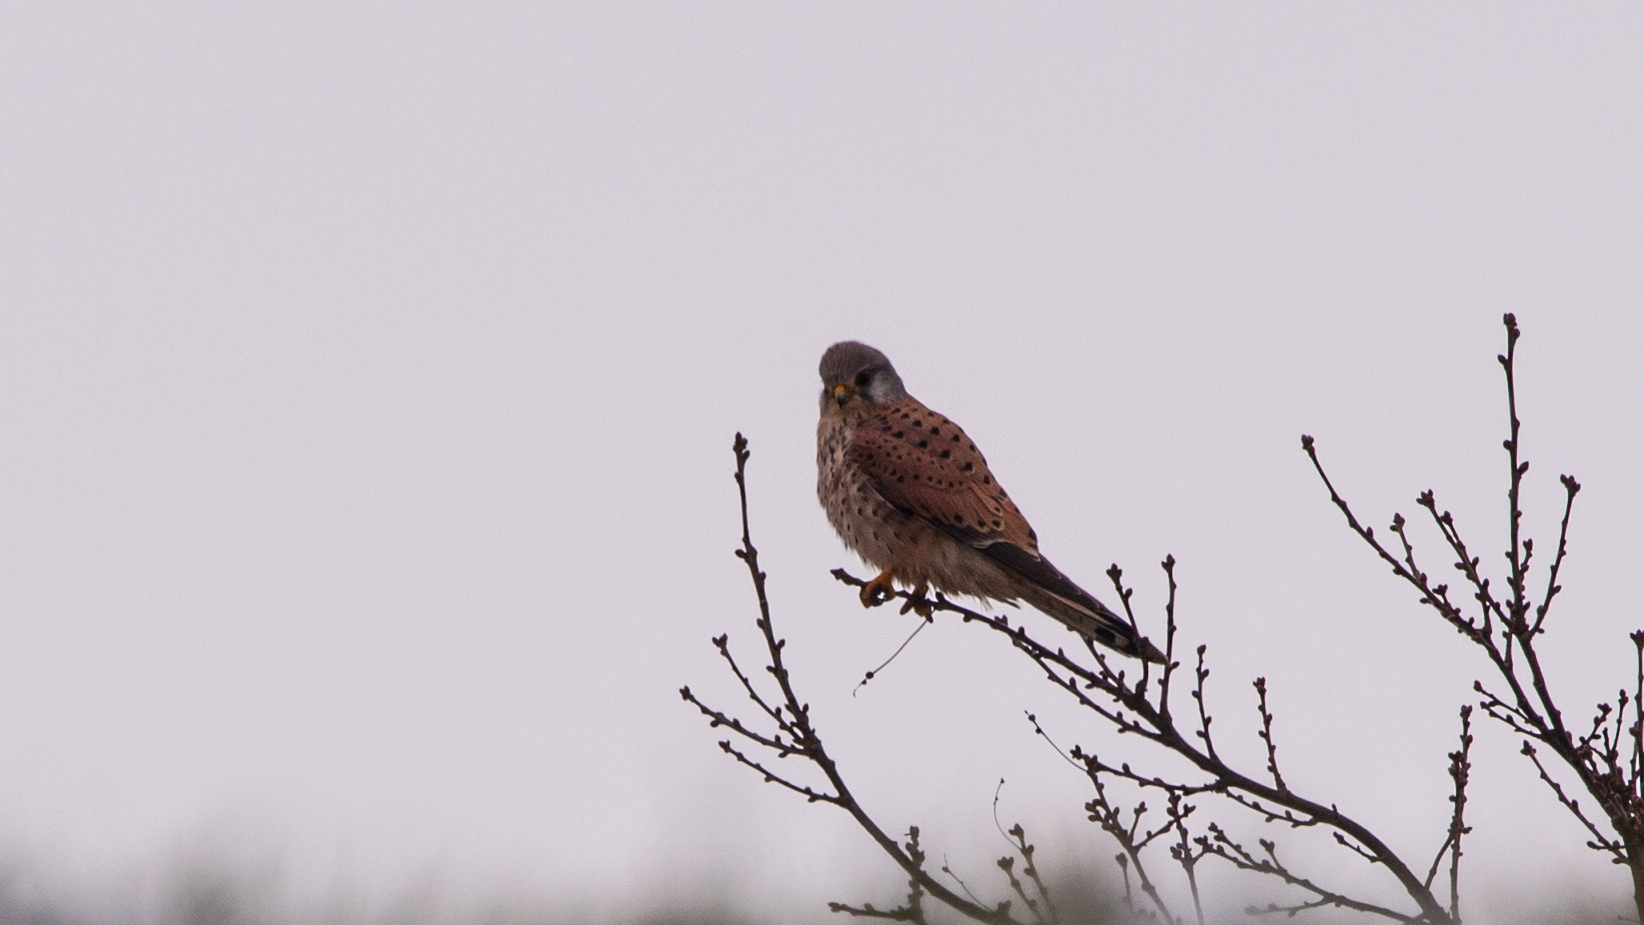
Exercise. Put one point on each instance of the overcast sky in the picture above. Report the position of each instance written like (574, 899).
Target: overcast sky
(368, 374)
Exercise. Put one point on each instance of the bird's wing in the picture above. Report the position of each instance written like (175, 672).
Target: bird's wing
(923, 463)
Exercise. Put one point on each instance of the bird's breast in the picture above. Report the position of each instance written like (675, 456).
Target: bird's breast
(832, 487)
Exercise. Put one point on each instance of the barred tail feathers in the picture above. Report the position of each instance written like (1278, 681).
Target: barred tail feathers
(1099, 624)
(1048, 590)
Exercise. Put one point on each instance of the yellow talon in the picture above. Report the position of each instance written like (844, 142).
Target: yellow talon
(917, 603)
(879, 590)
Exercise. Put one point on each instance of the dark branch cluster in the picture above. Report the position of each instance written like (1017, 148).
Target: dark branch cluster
(1605, 759)
(1141, 705)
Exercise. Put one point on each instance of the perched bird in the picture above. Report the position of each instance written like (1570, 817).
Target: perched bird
(911, 494)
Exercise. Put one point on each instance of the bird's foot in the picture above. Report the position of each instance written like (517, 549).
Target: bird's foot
(918, 603)
(879, 590)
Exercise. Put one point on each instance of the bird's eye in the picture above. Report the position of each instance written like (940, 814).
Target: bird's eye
(862, 380)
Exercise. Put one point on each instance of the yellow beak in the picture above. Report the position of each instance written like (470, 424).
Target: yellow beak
(842, 393)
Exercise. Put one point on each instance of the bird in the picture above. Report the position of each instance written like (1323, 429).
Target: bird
(908, 491)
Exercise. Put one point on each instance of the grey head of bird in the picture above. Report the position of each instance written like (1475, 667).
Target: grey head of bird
(855, 375)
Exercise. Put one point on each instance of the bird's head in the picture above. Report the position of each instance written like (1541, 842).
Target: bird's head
(856, 376)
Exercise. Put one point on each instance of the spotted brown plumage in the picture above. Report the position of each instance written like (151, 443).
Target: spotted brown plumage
(909, 492)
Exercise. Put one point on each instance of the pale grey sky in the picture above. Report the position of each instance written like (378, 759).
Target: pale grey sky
(368, 374)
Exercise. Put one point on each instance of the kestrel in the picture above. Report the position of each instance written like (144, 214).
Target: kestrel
(911, 494)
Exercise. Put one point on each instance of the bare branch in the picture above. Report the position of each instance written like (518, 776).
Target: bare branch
(1571, 486)
(1130, 709)
(912, 909)
(1608, 761)
(792, 719)
(1599, 842)
(1459, 770)
(1105, 814)
(1182, 851)
(1266, 734)
(1221, 845)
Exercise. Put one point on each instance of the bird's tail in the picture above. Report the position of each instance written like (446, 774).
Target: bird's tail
(1047, 589)
(1093, 620)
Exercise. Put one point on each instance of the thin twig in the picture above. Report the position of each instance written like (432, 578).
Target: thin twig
(1266, 734)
